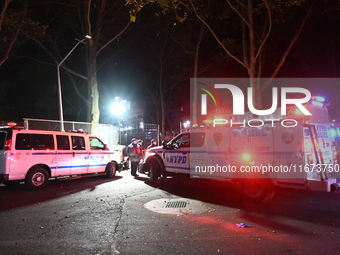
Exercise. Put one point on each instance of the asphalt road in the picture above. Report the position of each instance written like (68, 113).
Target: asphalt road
(129, 216)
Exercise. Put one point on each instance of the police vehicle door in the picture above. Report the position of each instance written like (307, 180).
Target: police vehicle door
(64, 155)
(176, 157)
(98, 157)
(198, 154)
(217, 157)
(80, 155)
(289, 153)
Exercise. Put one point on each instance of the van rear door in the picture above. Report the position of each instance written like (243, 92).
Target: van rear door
(3, 138)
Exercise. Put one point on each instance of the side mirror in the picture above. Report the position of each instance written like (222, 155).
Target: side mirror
(167, 146)
(164, 144)
(106, 147)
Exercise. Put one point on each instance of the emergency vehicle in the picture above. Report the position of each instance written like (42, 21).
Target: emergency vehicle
(34, 156)
(257, 154)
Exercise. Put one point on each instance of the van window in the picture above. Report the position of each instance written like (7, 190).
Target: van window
(190, 140)
(34, 142)
(197, 139)
(96, 144)
(63, 142)
(2, 140)
(78, 143)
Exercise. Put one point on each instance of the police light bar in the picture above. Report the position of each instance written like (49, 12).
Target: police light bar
(319, 98)
(11, 124)
(332, 132)
(317, 103)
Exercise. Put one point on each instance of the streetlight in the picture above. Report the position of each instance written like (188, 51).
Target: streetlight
(59, 83)
(119, 106)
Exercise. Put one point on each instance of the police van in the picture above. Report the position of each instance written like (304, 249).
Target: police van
(258, 155)
(35, 156)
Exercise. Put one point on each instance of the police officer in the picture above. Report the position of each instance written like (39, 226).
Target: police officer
(152, 144)
(135, 155)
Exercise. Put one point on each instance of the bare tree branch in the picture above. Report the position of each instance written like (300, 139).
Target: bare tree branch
(2, 15)
(284, 57)
(239, 14)
(15, 36)
(89, 25)
(114, 38)
(268, 32)
(216, 37)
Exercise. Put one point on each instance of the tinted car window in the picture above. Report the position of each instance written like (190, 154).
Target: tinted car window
(2, 140)
(190, 140)
(34, 142)
(63, 142)
(78, 143)
(197, 139)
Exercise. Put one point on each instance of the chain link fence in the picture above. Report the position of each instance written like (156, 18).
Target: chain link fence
(106, 132)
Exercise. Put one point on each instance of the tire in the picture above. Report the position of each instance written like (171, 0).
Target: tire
(257, 190)
(36, 178)
(111, 170)
(154, 170)
(164, 174)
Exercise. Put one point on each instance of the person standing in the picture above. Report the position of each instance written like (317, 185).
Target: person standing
(135, 155)
(140, 146)
(152, 144)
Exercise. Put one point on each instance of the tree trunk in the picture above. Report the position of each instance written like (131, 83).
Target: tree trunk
(93, 112)
(194, 85)
(252, 70)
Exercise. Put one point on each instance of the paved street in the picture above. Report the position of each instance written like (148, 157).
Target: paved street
(173, 216)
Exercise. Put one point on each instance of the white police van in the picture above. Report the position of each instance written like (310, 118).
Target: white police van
(257, 158)
(34, 156)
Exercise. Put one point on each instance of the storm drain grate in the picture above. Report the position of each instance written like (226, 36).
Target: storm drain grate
(176, 204)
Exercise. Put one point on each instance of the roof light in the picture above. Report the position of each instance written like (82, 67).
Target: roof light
(319, 98)
(11, 124)
(317, 103)
(332, 132)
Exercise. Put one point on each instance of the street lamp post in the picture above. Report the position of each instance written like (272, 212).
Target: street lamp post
(59, 82)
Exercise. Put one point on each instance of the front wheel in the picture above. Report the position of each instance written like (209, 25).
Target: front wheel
(257, 190)
(111, 170)
(154, 170)
(37, 178)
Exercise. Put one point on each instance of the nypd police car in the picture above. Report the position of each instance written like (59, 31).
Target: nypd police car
(35, 156)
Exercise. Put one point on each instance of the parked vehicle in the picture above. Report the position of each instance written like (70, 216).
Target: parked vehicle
(298, 153)
(35, 156)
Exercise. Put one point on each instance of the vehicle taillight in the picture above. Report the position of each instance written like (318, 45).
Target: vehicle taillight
(8, 144)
